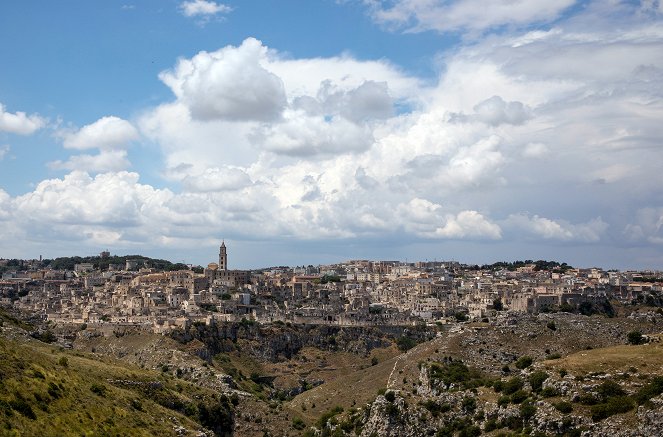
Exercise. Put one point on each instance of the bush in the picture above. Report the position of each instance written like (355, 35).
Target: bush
(390, 396)
(512, 385)
(98, 389)
(436, 408)
(588, 399)
(490, 425)
(455, 372)
(63, 361)
(551, 325)
(635, 337)
(527, 411)
(503, 400)
(469, 404)
(614, 405)
(322, 421)
(405, 343)
(298, 423)
(654, 388)
(549, 392)
(609, 389)
(524, 362)
(19, 404)
(563, 407)
(519, 396)
(536, 380)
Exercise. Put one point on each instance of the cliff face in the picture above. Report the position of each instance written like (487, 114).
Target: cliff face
(281, 342)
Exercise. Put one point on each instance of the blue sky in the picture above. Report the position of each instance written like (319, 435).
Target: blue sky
(317, 131)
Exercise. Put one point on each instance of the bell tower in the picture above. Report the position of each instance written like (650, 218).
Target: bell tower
(223, 257)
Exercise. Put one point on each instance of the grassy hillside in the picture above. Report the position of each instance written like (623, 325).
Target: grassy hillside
(50, 392)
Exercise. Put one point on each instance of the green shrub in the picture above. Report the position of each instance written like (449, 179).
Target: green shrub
(614, 405)
(322, 421)
(298, 423)
(654, 388)
(63, 361)
(519, 396)
(490, 425)
(524, 362)
(512, 385)
(405, 343)
(19, 404)
(527, 411)
(469, 404)
(456, 372)
(635, 337)
(390, 396)
(536, 380)
(563, 407)
(98, 389)
(549, 392)
(608, 389)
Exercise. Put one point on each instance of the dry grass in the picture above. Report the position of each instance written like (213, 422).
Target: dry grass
(647, 358)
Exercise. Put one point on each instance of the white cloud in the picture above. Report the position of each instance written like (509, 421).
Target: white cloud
(496, 111)
(107, 133)
(646, 226)
(104, 161)
(302, 135)
(111, 199)
(195, 8)
(5, 205)
(469, 224)
(312, 149)
(535, 150)
(4, 149)
(230, 83)
(20, 123)
(464, 15)
(545, 228)
(217, 179)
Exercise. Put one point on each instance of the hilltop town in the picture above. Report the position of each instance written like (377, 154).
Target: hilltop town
(352, 293)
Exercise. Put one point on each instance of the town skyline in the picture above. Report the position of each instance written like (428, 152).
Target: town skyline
(311, 132)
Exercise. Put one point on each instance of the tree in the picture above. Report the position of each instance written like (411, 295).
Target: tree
(497, 305)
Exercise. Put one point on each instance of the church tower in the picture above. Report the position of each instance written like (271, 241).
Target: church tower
(223, 257)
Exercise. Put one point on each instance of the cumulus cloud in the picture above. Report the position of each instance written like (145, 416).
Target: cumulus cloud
(194, 8)
(303, 135)
(111, 199)
(19, 122)
(107, 133)
(230, 83)
(104, 161)
(496, 111)
(646, 226)
(463, 15)
(468, 224)
(545, 228)
(312, 149)
(5, 205)
(217, 179)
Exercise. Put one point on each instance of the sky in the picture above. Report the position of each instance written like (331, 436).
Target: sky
(312, 132)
